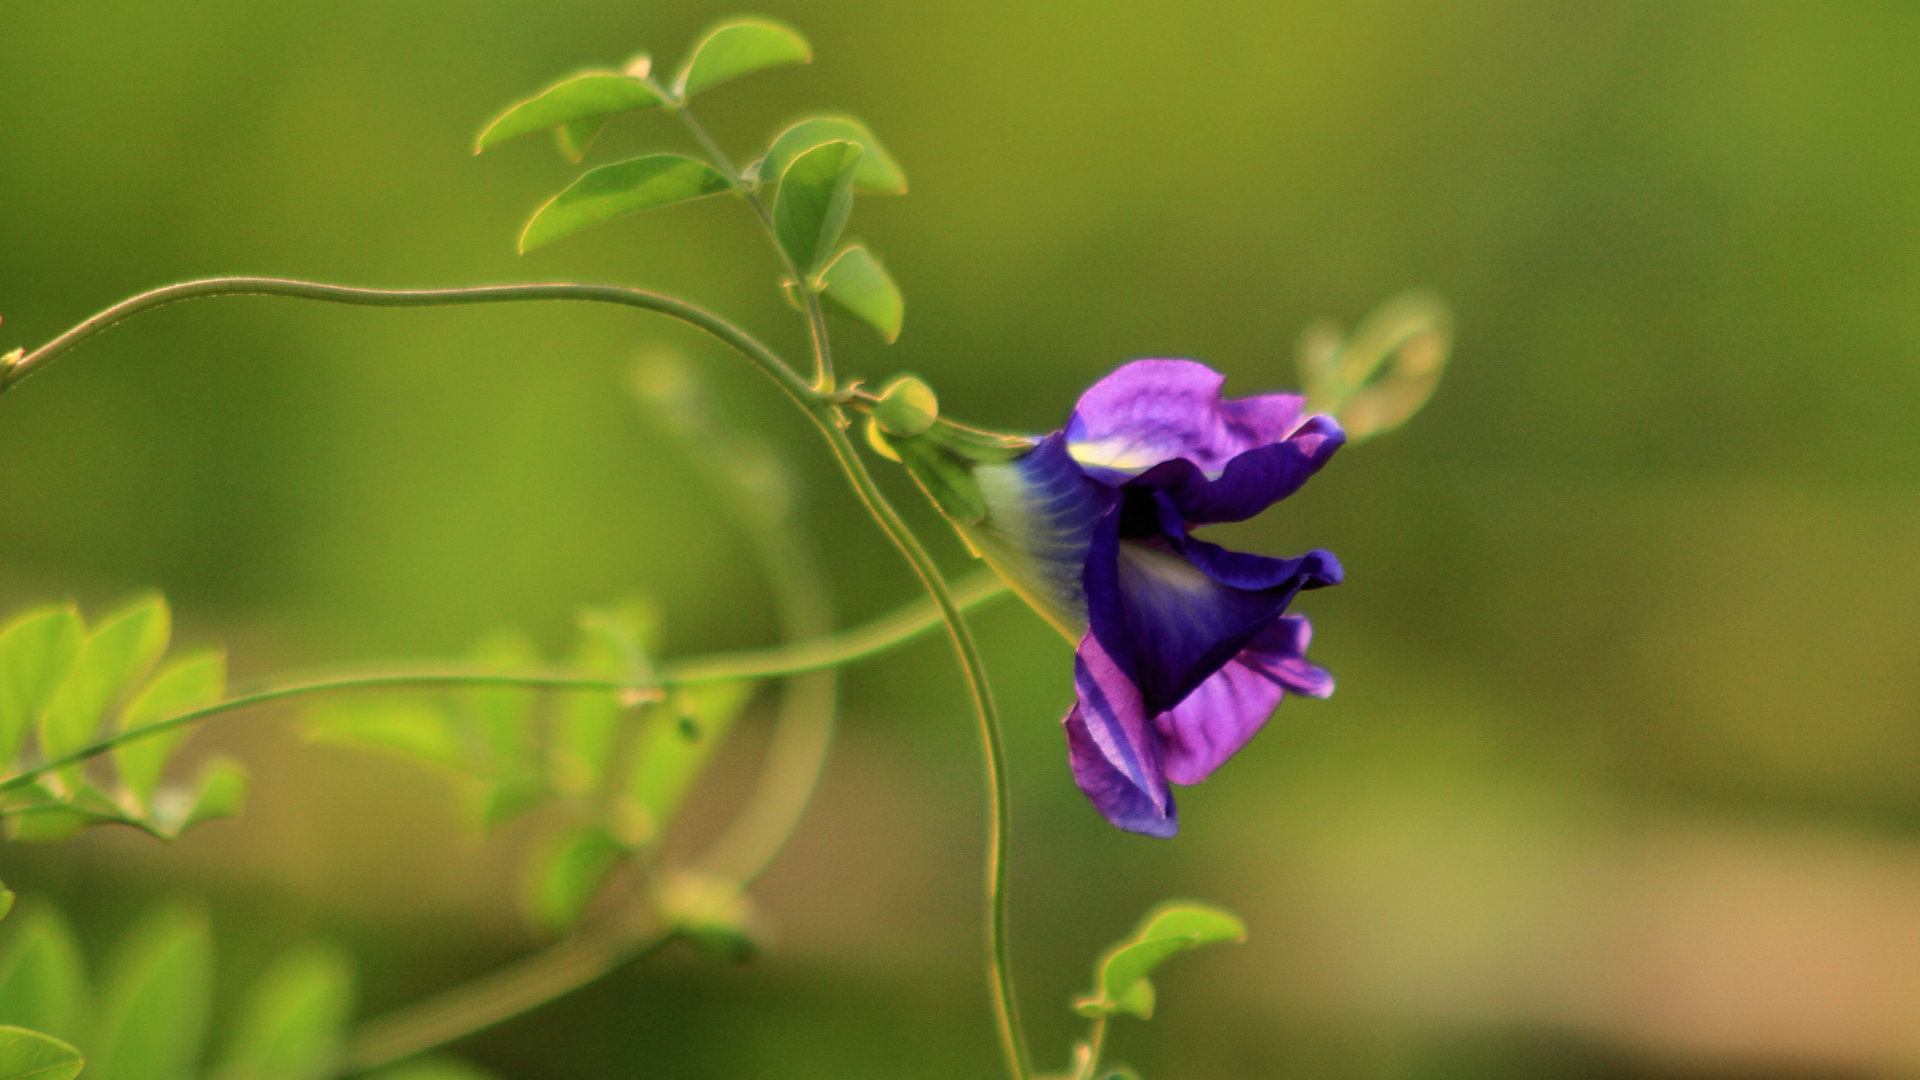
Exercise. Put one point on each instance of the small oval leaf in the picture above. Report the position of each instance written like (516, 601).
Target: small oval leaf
(1120, 978)
(37, 650)
(595, 95)
(116, 656)
(815, 198)
(878, 173)
(43, 980)
(292, 1019)
(857, 285)
(621, 188)
(29, 1055)
(191, 682)
(154, 1010)
(739, 47)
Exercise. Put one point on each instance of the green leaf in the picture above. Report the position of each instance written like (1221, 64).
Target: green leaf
(43, 980)
(565, 876)
(621, 188)
(432, 1068)
(592, 96)
(154, 1011)
(613, 645)
(7, 898)
(29, 1055)
(1120, 979)
(293, 1018)
(858, 286)
(190, 682)
(676, 740)
(877, 174)
(85, 805)
(220, 792)
(815, 198)
(502, 716)
(410, 729)
(739, 47)
(37, 650)
(116, 656)
(576, 139)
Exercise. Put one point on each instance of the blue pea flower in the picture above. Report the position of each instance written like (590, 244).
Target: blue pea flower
(1184, 648)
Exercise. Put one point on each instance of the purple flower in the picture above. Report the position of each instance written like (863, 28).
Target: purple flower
(1185, 648)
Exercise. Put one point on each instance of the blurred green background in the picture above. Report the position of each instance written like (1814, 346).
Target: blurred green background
(1623, 777)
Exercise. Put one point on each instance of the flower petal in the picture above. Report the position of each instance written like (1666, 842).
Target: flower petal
(1150, 411)
(1251, 481)
(1222, 713)
(1175, 609)
(1114, 750)
(1041, 514)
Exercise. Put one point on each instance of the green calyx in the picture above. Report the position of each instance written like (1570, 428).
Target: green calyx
(904, 425)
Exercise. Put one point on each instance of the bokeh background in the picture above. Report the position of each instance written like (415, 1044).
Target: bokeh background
(1623, 777)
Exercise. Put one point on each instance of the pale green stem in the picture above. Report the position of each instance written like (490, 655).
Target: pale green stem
(833, 424)
(804, 656)
(761, 356)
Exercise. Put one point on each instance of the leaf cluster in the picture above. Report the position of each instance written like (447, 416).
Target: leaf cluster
(65, 684)
(610, 768)
(811, 169)
(147, 1014)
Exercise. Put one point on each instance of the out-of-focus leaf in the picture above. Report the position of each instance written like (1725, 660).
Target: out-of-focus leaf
(1120, 978)
(220, 792)
(624, 187)
(433, 1068)
(502, 716)
(7, 898)
(614, 644)
(85, 805)
(739, 47)
(292, 1020)
(30, 1055)
(564, 876)
(43, 980)
(190, 682)
(153, 1015)
(406, 728)
(37, 650)
(576, 139)
(116, 655)
(814, 200)
(593, 96)
(1376, 380)
(877, 174)
(857, 285)
(676, 740)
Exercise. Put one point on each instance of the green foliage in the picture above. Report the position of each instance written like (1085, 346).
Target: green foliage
(411, 729)
(675, 742)
(115, 657)
(189, 682)
(293, 1018)
(624, 187)
(578, 105)
(1380, 377)
(567, 873)
(615, 643)
(1120, 978)
(877, 174)
(856, 285)
(37, 650)
(43, 979)
(738, 47)
(814, 201)
(65, 684)
(154, 1008)
(29, 1055)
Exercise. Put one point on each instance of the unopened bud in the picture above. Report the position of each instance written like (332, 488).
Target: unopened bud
(907, 407)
